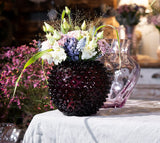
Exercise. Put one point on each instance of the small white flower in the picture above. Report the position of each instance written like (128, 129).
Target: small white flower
(58, 54)
(45, 45)
(47, 56)
(89, 50)
(87, 54)
(83, 26)
(50, 38)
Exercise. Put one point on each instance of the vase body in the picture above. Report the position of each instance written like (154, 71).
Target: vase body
(75, 87)
(126, 72)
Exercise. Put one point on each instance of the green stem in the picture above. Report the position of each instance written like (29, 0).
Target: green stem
(153, 2)
(120, 61)
(70, 21)
(44, 72)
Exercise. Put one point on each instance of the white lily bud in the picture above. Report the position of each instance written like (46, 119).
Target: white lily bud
(83, 26)
(44, 28)
(66, 26)
(67, 10)
(93, 43)
(56, 35)
(48, 27)
(100, 35)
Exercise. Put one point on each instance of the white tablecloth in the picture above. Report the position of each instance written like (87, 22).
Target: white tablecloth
(54, 127)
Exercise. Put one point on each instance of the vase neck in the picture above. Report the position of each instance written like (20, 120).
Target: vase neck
(129, 31)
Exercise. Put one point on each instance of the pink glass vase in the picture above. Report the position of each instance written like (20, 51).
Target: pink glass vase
(129, 31)
(126, 72)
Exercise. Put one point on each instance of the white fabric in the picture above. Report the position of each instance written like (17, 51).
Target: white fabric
(54, 127)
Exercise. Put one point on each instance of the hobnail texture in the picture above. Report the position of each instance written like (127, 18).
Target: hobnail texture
(79, 88)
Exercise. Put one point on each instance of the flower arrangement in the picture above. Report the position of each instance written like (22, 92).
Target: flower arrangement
(74, 79)
(129, 14)
(154, 16)
(25, 104)
(70, 43)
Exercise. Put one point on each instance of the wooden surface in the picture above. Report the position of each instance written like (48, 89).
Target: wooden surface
(148, 62)
(133, 106)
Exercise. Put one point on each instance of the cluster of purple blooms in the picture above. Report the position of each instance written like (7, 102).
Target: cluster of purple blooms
(70, 48)
(129, 14)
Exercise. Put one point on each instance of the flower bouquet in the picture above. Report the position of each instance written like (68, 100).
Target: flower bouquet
(129, 14)
(78, 83)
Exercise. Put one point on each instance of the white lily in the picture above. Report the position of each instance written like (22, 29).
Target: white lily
(45, 45)
(58, 54)
(93, 43)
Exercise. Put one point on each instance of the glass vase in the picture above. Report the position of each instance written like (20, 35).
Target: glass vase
(129, 32)
(126, 72)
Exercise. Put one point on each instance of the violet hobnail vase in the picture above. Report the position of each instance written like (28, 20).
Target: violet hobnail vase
(126, 72)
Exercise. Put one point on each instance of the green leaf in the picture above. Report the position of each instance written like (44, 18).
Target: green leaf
(36, 57)
(29, 62)
(116, 34)
(62, 29)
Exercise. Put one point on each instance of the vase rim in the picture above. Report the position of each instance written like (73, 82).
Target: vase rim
(126, 41)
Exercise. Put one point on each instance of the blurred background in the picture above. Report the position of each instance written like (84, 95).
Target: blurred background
(21, 22)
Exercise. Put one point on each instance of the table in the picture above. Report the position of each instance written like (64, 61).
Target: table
(137, 122)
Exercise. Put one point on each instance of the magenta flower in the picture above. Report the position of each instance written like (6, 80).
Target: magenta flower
(32, 88)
